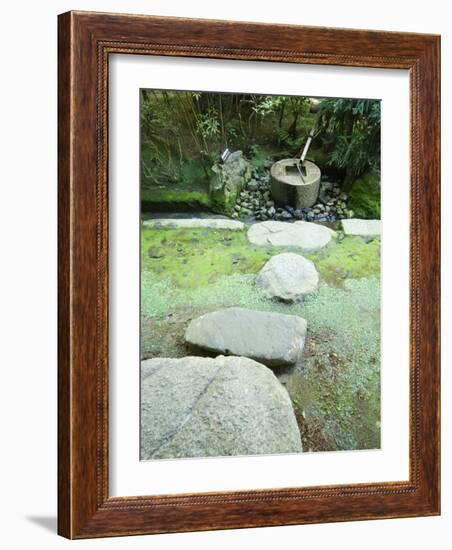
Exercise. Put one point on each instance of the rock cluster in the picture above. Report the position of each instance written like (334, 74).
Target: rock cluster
(332, 203)
(255, 198)
(255, 202)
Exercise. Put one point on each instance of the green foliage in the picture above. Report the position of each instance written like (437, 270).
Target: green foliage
(266, 105)
(320, 157)
(350, 131)
(208, 124)
(258, 156)
(179, 126)
(294, 124)
(174, 130)
(184, 133)
(364, 196)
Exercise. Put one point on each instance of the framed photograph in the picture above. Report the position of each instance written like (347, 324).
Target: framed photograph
(248, 275)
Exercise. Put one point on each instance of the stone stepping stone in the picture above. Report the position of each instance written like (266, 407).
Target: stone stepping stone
(199, 407)
(307, 236)
(362, 228)
(288, 277)
(195, 223)
(274, 339)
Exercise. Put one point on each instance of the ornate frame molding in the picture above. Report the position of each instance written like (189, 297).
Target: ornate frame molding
(85, 42)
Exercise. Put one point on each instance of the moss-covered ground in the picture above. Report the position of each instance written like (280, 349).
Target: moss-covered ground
(336, 389)
(175, 198)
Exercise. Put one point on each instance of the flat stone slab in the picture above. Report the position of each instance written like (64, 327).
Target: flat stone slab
(307, 236)
(363, 228)
(288, 277)
(199, 407)
(195, 223)
(274, 339)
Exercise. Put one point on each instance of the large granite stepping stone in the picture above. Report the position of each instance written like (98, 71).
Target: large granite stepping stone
(288, 277)
(195, 223)
(274, 339)
(199, 407)
(307, 236)
(363, 228)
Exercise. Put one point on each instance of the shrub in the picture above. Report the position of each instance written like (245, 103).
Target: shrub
(364, 196)
(350, 131)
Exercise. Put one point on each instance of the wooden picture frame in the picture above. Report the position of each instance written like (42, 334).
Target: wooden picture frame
(85, 42)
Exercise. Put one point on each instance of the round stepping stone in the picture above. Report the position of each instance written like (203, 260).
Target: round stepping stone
(288, 277)
(307, 236)
(274, 339)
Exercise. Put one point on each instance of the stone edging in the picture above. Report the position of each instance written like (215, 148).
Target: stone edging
(195, 223)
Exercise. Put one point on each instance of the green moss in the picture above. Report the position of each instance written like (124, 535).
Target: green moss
(191, 259)
(223, 202)
(336, 390)
(364, 196)
(174, 199)
(351, 258)
(196, 257)
(336, 395)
